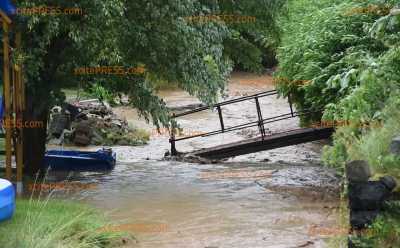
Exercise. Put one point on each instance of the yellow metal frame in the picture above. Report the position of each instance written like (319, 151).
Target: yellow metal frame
(14, 98)
(4, 17)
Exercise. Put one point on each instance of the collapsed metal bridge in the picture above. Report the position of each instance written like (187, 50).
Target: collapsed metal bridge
(263, 141)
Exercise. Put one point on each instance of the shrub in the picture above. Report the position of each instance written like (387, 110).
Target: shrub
(353, 62)
(350, 59)
(55, 223)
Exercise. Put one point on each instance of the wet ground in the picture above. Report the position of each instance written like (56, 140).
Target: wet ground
(276, 198)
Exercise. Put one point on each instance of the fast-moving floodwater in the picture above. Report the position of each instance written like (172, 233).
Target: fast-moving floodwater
(276, 199)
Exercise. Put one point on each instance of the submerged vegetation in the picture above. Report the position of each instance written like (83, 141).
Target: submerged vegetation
(350, 52)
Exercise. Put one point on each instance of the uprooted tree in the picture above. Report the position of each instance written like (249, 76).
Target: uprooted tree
(197, 57)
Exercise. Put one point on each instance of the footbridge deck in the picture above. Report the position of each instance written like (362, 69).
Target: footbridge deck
(262, 142)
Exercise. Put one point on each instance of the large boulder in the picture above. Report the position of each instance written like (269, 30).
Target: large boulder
(366, 200)
(389, 182)
(358, 171)
(361, 219)
(370, 195)
(395, 146)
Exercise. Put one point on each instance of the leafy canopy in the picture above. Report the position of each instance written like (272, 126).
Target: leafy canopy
(198, 57)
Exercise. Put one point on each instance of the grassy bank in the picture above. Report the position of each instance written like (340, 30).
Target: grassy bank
(349, 50)
(384, 232)
(55, 223)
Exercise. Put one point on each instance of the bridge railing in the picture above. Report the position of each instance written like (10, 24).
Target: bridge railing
(260, 120)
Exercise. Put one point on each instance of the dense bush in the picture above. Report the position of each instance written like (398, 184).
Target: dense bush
(349, 58)
(350, 52)
(353, 62)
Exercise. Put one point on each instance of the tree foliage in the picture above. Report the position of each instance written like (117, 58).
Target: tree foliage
(198, 57)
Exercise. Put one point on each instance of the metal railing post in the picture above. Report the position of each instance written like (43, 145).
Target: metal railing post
(221, 120)
(290, 104)
(260, 119)
(174, 152)
(7, 98)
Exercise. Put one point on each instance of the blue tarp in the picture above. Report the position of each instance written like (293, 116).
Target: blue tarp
(7, 7)
(7, 200)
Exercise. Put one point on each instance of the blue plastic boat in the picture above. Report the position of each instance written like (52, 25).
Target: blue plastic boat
(7, 200)
(103, 159)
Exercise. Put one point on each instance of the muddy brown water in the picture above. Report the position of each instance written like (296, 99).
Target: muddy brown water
(268, 199)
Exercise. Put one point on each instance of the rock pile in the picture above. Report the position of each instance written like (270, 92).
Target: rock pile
(91, 123)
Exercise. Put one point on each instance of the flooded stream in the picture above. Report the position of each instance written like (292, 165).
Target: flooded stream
(268, 199)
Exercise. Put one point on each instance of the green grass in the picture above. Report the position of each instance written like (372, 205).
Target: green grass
(384, 232)
(370, 144)
(56, 223)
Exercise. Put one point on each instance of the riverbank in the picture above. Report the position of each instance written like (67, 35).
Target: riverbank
(56, 223)
(350, 62)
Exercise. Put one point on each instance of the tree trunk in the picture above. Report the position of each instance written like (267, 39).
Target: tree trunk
(35, 138)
